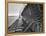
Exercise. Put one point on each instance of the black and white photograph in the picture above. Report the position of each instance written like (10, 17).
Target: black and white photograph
(25, 17)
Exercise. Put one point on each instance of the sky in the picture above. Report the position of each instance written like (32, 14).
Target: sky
(14, 10)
